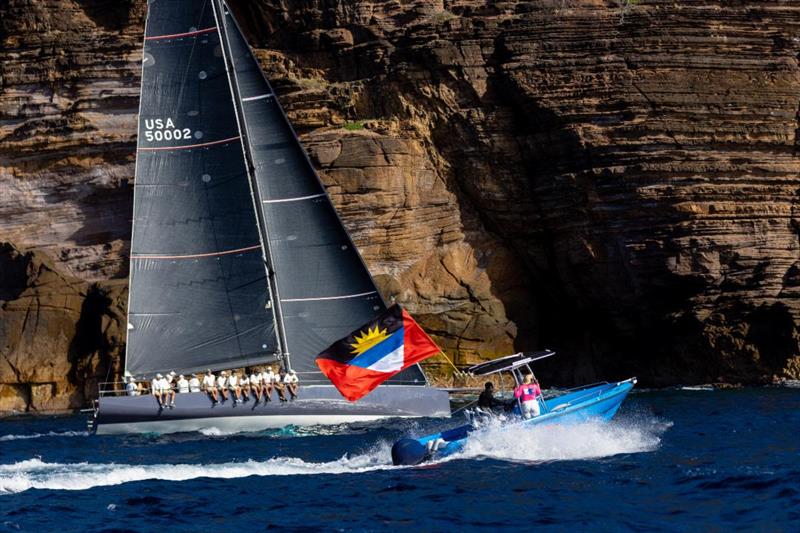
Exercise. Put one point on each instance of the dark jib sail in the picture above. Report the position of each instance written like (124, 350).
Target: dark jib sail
(199, 297)
(322, 285)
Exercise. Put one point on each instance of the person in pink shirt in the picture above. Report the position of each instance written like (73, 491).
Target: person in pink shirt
(528, 393)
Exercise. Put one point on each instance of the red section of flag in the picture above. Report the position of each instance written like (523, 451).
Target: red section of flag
(417, 344)
(355, 382)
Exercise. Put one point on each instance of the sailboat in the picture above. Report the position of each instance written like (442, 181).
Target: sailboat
(238, 257)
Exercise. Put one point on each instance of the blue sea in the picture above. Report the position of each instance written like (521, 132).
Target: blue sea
(678, 460)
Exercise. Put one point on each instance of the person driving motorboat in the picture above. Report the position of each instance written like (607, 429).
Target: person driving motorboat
(487, 401)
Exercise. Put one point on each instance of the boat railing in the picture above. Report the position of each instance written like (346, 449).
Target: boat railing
(117, 388)
(577, 399)
(560, 392)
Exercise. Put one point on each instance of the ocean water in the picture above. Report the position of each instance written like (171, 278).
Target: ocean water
(682, 460)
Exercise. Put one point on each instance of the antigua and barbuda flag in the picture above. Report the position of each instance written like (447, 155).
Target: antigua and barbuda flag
(375, 352)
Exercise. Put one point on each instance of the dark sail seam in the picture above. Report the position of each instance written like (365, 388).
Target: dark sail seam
(192, 256)
(176, 35)
(157, 148)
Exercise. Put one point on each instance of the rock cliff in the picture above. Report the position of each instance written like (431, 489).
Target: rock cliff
(615, 180)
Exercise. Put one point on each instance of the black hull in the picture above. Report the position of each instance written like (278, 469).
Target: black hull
(316, 405)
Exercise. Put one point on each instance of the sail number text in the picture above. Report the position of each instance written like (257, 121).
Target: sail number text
(159, 129)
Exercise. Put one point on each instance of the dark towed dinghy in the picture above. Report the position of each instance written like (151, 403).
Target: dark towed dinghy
(238, 257)
(599, 401)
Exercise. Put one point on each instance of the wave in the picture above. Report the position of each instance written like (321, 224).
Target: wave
(505, 443)
(41, 435)
(37, 474)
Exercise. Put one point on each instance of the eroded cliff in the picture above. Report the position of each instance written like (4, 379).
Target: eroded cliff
(614, 180)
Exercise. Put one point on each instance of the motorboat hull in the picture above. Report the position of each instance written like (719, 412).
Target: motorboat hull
(599, 402)
(315, 405)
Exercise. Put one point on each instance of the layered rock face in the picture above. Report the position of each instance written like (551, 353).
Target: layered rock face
(614, 180)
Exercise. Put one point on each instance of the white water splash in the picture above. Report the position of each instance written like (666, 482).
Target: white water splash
(40, 435)
(506, 443)
(37, 474)
(590, 440)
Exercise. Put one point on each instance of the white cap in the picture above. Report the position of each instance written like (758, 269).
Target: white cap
(159, 376)
(181, 376)
(291, 371)
(172, 373)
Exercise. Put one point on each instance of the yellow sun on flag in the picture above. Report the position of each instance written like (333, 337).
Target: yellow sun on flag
(369, 339)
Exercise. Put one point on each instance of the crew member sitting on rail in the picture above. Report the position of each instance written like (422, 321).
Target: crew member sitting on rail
(183, 385)
(486, 400)
(291, 383)
(268, 382)
(157, 390)
(233, 385)
(255, 384)
(210, 386)
(131, 387)
(527, 393)
(194, 384)
(168, 390)
(222, 385)
(244, 383)
(279, 386)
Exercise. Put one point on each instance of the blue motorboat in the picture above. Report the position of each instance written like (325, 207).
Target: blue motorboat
(598, 401)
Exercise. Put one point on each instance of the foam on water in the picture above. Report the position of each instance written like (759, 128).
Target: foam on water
(41, 435)
(507, 443)
(589, 440)
(37, 474)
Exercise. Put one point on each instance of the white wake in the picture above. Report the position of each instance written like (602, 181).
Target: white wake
(515, 443)
(48, 434)
(37, 474)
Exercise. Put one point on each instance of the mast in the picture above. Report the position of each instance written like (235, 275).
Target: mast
(283, 351)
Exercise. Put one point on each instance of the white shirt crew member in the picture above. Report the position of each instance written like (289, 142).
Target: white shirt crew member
(245, 381)
(194, 384)
(233, 381)
(209, 381)
(183, 386)
(268, 378)
(255, 378)
(222, 382)
(290, 378)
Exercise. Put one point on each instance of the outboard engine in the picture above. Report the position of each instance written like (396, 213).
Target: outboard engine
(408, 452)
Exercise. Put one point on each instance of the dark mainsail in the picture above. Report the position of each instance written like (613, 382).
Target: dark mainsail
(321, 285)
(198, 291)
